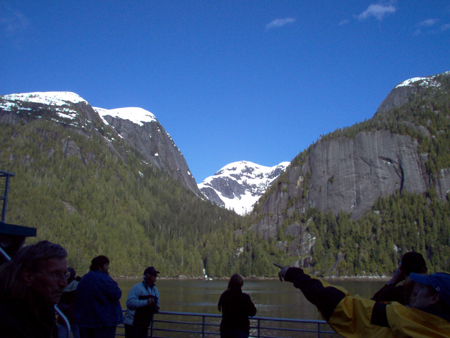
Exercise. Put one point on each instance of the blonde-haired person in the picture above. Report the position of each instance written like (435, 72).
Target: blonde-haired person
(236, 307)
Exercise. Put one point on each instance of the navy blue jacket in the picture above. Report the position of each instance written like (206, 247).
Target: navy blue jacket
(97, 304)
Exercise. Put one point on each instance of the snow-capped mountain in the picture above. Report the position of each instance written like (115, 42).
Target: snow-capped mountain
(141, 130)
(137, 127)
(238, 185)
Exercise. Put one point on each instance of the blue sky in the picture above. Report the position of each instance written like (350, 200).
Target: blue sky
(229, 80)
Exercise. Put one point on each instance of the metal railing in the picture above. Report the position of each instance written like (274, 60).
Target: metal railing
(190, 324)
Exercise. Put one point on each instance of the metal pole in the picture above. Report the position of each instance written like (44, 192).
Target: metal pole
(5, 199)
(66, 321)
(203, 326)
(5, 254)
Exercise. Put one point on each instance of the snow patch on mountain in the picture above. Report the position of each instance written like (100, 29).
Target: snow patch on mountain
(134, 114)
(239, 185)
(60, 101)
(429, 81)
(49, 98)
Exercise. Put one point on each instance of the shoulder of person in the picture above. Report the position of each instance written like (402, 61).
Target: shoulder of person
(246, 295)
(138, 288)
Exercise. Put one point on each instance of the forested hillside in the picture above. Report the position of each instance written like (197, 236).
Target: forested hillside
(132, 213)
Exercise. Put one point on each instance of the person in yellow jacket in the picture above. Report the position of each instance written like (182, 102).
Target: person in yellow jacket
(355, 316)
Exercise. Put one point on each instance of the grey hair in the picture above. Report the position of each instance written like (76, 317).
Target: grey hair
(29, 258)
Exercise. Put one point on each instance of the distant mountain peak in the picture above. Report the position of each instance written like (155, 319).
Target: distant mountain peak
(239, 185)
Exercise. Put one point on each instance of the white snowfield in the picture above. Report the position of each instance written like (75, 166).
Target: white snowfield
(134, 114)
(254, 177)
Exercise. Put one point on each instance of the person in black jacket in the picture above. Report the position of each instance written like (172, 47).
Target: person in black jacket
(236, 307)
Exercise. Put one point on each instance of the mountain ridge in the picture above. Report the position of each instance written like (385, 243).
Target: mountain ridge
(137, 127)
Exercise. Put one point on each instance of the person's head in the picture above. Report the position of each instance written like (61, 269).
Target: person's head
(100, 263)
(236, 282)
(413, 262)
(36, 272)
(150, 275)
(72, 275)
(432, 290)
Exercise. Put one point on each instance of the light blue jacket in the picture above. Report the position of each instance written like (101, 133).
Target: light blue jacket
(133, 302)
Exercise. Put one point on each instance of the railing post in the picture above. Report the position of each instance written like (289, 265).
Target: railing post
(151, 328)
(203, 326)
(259, 328)
(318, 330)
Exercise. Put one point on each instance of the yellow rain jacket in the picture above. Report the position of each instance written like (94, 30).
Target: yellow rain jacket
(354, 316)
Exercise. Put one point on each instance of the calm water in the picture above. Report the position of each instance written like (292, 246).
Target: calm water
(271, 297)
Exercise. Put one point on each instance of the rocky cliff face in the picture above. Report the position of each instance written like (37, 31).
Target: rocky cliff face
(350, 174)
(151, 140)
(148, 137)
(238, 185)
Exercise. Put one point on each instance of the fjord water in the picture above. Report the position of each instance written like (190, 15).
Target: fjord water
(272, 298)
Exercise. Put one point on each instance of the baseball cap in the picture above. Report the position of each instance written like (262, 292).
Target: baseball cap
(439, 281)
(150, 271)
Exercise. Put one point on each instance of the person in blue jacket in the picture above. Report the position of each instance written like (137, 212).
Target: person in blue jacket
(97, 307)
(142, 303)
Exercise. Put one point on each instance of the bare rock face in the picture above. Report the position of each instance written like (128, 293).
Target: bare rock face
(157, 147)
(349, 175)
(397, 97)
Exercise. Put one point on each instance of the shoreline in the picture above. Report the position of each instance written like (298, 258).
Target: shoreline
(345, 278)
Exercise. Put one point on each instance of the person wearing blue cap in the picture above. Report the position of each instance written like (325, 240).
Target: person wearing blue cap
(142, 304)
(432, 294)
(355, 316)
